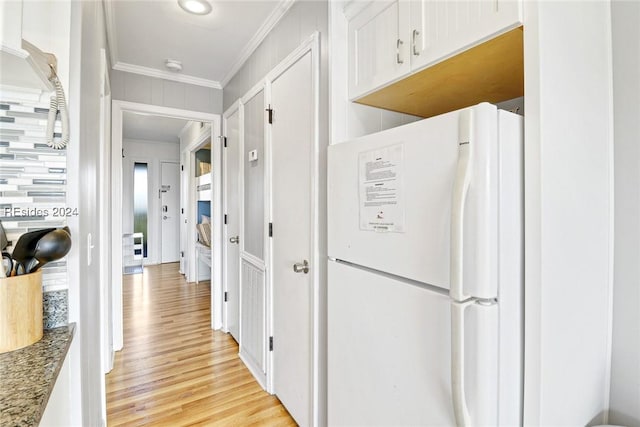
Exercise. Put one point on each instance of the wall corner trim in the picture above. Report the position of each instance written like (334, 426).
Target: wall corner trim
(258, 38)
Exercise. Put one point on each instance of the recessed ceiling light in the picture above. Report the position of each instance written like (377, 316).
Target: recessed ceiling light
(173, 65)
(197, 7)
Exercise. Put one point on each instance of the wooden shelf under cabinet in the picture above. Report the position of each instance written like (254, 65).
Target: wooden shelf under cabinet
(490, 72)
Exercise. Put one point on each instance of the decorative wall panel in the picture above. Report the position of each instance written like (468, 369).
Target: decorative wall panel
(33, 176)
(252, 335)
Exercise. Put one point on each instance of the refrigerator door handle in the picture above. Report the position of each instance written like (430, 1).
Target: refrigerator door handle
(458, 391)
(459, 197)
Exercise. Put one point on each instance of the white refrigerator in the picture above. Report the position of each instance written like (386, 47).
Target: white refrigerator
(425, 285)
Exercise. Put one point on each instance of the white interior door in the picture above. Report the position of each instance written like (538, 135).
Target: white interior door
(292, 143)
(169, 212)
(232, 223)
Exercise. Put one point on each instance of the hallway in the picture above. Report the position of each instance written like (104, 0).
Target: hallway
(174, 370)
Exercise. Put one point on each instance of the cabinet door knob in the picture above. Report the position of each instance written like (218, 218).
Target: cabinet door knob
(399, 59)
(234, 239)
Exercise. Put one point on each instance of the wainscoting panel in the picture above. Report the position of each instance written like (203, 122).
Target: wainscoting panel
(252, 328)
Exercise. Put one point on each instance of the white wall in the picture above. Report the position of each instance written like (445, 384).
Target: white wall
(294, 27)
(625, 369)
(152, 153)
(166, 93)
(46, 24)
(568, 212)
(87, 37)
(192, 132)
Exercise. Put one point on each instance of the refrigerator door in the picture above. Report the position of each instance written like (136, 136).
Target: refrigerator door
(389, 358)
(391, 193)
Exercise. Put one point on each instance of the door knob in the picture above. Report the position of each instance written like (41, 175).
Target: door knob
(301, 267)
(164, 217)
(234, 239)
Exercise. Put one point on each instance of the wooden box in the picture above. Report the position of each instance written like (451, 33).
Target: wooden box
(20, 311)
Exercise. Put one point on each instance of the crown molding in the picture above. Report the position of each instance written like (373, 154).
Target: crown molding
(167, 75)
(153, 141)
(258, 38)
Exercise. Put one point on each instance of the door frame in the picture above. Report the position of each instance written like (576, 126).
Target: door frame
(117, 112)
(235, 107)
(189, 152)
(104, 182)
(317, 247)
(261, 264)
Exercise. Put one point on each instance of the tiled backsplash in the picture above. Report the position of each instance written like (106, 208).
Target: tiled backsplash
(33, 177)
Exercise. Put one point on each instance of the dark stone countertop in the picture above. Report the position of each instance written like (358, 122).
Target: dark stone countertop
(27, 376)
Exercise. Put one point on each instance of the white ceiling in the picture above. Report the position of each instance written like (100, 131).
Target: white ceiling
(143, 34)
(151, 128)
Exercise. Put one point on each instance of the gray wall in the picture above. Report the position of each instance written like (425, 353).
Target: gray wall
(625, 370)
(166, 93)
(254, 173)
(297, 25)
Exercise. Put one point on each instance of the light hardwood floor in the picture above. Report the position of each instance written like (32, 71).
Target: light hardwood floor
(174, 370)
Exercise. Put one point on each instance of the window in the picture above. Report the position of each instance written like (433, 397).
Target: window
(140, 201)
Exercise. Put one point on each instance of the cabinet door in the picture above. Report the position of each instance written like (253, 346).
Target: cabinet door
(441, 28)
(378, 46)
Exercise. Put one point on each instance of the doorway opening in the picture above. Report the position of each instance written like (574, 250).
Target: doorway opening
(170, 197)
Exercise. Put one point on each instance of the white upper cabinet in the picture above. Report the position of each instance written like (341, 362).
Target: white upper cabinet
(378, 46)
(11, 29)
(441, 28)
(388, 40)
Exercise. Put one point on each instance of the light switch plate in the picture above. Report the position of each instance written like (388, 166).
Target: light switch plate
(253, 155)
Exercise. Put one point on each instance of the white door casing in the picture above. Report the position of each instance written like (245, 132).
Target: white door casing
(105, 225)
(294, 143)
(208, 135)
(118, 109)
(231, 203)
(191, 198)
(106, 314)
(169, 212)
